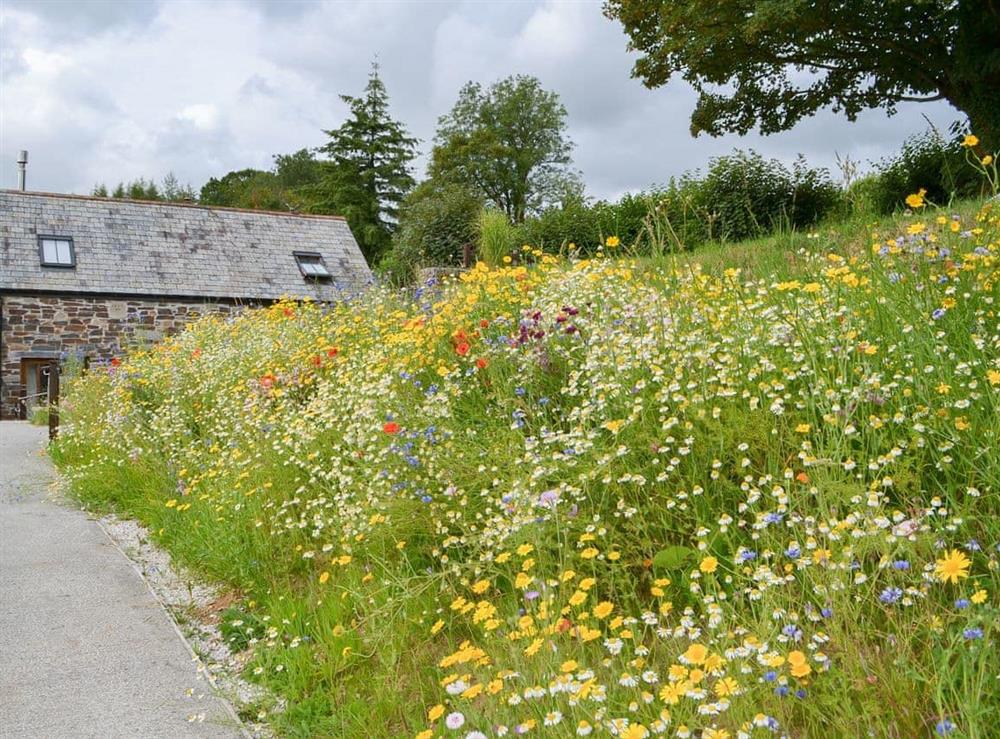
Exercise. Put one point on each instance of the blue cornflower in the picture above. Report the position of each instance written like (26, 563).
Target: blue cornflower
(973, 633)
(781, 691)
(938, 314)
(962, 603)
(890, 595)
(901, 564)
(826, 612)
(944, 727)
(770, 676)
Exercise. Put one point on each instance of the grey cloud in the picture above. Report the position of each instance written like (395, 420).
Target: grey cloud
(275, 70)
(79, 18)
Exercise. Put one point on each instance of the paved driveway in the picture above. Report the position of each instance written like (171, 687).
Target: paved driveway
(85, 648)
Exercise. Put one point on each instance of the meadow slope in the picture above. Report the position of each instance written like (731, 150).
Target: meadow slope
(615, 496)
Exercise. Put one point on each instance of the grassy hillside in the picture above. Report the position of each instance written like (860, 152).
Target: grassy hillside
(744, 492)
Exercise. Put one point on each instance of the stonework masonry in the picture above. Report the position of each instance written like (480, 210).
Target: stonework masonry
(91, 327)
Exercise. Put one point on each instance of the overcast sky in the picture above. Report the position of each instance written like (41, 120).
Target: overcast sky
(109, 90)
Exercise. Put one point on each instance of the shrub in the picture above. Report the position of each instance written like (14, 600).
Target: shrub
(744, 195)
(555, 228)
(436, 221)
(929, 161)
(497, 237)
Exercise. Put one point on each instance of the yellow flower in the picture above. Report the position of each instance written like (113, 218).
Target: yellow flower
(603, 609)
(613, 426)
(568, 666)
(797, 661)
(481, 587)
(435, 713)
(709, 565)
(589, 553)
(635, 731)
(993, 376)
(987, 160)
(612, 241)
(324, 576)
(696, 654)
(970, 140)
(438, 625)
(979, 597)
(953, 567)
(577, 598)
(803, 428)
(916, 200)
(425, 734)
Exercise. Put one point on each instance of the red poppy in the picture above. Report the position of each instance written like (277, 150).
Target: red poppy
(482, 363)
(288, 312)
(317, 360)
(196, 353)
(332, 351)
(115, 362)
(462, 348)
(484, 323)
(267, 380)
(802, 477)
(391, 427)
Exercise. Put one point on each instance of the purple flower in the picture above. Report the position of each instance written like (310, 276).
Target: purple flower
(938, 314)
(901, 564)
(962, 603)
(973, 633)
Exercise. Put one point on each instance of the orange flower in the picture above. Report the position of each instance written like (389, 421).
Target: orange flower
(462, 348)
(391, 427)
(317, 360)
(482, 363)
(332, 351)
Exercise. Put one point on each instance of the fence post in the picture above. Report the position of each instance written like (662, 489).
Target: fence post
(53, 398)
(467, 255)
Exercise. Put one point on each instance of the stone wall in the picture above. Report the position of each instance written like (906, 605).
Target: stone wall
(96, 328)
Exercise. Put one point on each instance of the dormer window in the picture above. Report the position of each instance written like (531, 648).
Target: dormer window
(56, 251)
(311, 265)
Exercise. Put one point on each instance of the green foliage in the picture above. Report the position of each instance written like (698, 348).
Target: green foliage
(773, 63)
(246, 188)
(497, 237)
(741, 196)
(926, 161)
(436, 221)
(745, 195)
(509, 143)
(368, 174)
(171, 190)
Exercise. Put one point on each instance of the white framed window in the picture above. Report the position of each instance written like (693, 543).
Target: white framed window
(311, 265)
(56, 251)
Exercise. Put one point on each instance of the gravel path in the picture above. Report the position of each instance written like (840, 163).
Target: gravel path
(86, 650)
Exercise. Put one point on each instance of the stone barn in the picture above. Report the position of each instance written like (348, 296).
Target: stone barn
(84, 277)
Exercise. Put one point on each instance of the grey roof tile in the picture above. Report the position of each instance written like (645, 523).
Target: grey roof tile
(174, 249)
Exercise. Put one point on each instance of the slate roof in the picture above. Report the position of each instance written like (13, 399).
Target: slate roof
(132, 247)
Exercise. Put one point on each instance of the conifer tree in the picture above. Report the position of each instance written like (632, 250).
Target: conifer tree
(368, 172)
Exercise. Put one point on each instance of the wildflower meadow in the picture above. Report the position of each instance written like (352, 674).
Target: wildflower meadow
(623, 496)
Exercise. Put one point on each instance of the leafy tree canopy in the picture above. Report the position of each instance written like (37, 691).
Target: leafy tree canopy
(772, 62)
(509, 142)
(368, 173)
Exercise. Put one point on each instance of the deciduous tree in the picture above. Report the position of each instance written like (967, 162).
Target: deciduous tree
(769, 63)
(509, 142)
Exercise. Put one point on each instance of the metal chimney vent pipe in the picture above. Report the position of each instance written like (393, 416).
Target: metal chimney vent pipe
(22, 166)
